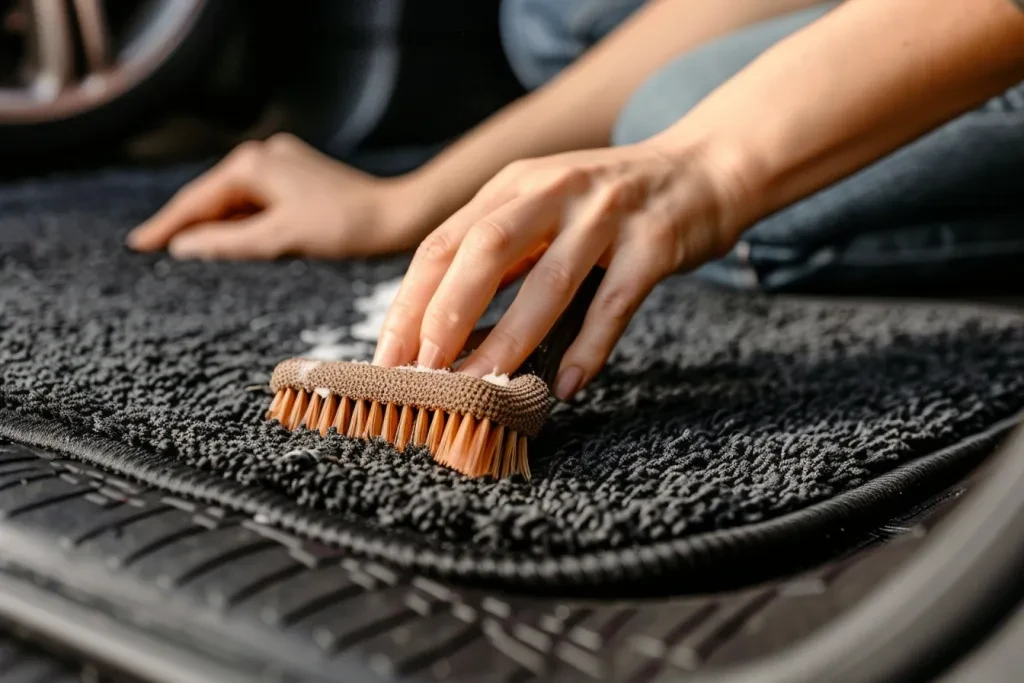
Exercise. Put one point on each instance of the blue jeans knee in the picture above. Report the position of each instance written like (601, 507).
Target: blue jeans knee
(946, 206)
(542, 37)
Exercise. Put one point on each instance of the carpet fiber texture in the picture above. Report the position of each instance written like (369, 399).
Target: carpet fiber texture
(718, 409)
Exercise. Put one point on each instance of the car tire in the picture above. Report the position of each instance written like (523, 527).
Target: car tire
(152, 91)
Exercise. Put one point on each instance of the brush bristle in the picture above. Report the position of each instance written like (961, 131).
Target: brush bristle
(477, 448)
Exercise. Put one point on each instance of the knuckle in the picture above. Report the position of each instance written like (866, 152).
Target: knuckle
(283, 142)
(439, 320)
(435, 248)
(617, 195)
(618, 305)
(566, 177)
(516, 169)
(662, 231)
(247, 158)
(399, 318)
(195, 187)
(502, 344)
(664, 262)
(555, 278)
(489, 237)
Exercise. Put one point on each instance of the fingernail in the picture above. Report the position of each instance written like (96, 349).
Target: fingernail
(568, 382)
(389, 350)
(475, 369)
(430, 355)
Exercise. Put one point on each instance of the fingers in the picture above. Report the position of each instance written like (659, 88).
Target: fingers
(231, 184)
(546, 292)
(633, 272)
(490, 248)
(243, 239)
(523, 265)
(400, 335)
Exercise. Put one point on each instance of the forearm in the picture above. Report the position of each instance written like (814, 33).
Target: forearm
(866, 79)
(578, 108)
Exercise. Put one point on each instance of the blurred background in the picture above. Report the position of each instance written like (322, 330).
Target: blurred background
(381, 84)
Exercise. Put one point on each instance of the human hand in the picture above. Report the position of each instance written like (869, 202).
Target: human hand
(640, 211)
(282, 197)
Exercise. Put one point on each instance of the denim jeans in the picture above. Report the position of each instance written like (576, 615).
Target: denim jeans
(946, 209)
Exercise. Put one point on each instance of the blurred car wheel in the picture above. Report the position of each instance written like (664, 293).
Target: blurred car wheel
(78, 74)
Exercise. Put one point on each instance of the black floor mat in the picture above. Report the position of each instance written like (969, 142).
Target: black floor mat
(728, 428)
(21, 662)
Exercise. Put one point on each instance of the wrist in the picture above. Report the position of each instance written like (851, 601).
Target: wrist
(410, 208)
(735, 183)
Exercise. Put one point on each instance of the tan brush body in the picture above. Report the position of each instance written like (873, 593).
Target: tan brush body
(476, 426)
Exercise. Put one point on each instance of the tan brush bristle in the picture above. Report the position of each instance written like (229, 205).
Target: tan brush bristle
(312, 416)
(358, 423)
(298, 410)
(508, 453)
(327, 414)
(474, 447)
(522, 464)
(419, 430)
(344, 415)
(272, 410)
(390, 425)
(451, 430)
(457, 454)
(374, 421)
(284, 409)
(494, 449)
(477, 454)
(403, 432)
(435, 432)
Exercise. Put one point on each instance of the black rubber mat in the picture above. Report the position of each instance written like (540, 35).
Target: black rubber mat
(25, 662)
(731, 434)
(176, 590)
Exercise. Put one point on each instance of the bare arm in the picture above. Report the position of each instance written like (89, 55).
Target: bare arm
(830, 99)
(578, 108)
(867, 78)
(297, 201)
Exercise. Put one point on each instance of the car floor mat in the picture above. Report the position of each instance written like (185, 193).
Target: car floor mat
(171, 589)
(150, 517)
(731, 433)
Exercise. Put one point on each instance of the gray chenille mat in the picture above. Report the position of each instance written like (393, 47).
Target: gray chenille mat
(724, 420)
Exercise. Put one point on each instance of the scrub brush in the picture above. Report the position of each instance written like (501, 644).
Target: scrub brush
(479, 427)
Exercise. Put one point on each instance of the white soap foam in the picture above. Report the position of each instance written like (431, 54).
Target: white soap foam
(500, 380)
(375, 307)
(359, 340)
(305, 367)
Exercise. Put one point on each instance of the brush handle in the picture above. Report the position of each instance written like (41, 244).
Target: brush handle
(546, 358)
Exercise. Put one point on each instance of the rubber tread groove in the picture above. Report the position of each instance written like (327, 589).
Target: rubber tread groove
(239, 595)
(118, 524)
(317, 604)
(23, 470)
(467, 637)
(162, 542)
(220, 560)
(26, 480)
(44, 503)
(339, 644)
